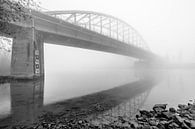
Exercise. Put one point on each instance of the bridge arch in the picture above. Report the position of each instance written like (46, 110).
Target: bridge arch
(104, 24)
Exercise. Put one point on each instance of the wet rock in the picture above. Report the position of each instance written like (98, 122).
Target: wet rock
(145, 113)
(167, 115)
(161, 126)
(158, 118)
(142, 119)
(178, 120)
(134, 124)
(183, 107)
(187, 122)
(154, 127)
(159, 107)
(173, 125)
(184, 126)
(192, 124)
(172, 110)
(153, 123)
(121, 119)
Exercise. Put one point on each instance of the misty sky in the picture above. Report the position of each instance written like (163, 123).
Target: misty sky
(168, 26)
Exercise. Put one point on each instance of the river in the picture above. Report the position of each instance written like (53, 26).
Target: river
(22, 101)
(92, 88)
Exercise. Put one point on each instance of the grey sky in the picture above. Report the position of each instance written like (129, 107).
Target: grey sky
(167, 25)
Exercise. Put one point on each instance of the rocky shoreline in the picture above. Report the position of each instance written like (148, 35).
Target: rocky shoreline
(158, 118)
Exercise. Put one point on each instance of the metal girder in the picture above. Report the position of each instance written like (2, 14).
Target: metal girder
(96, 16)
(71, 15)
(82, 17)
(112, 26)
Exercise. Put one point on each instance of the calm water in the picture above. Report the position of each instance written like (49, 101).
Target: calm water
(98, 79)
(21, 102)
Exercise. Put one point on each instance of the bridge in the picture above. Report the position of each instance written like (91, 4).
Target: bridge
(82, 29)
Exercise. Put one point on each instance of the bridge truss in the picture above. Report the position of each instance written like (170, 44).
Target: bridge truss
(103, 24)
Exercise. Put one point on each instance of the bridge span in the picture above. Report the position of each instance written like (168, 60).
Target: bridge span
(83, 29)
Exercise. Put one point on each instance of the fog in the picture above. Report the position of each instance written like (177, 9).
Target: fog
(5, 56)
(58, 58)
(166, 25)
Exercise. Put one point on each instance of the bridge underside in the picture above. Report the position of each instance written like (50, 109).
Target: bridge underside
(27, 51)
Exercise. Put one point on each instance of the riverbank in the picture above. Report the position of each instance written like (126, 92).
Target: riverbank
(158, 118)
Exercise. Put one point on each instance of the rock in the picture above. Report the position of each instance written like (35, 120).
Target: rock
(120, 118)
(146, 113)
(184, 126)
(142, 119)
(183, 107)
(161, 126)
(154, 127)
(153, 123)
(173, 125)
(187, 122)
(80, 121)
(163, 106)
(192, 124)
(192, 111)
(159, 107)
(146, 127)
(134, 124)
(188, 116)
(167, 115)
(178, 120)
(172, 110)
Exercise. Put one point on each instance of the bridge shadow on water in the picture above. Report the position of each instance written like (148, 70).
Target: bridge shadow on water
(27, 103)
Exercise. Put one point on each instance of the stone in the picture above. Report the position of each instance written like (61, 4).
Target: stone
(183, 107)
(188, 116)
(161, 126)
(172, 110)
(178, 120)
(163, 106)
(146, 113)
(159, 107)
(153, 123)
(187, 122)
(173, 125)
(142, 119)
(134, 124)
(192, 124)
(154, 127)
(184, 126)
(167, 115)
(80, 121)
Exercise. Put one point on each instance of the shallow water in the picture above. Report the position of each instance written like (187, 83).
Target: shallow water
(116, 87)
(124, 92)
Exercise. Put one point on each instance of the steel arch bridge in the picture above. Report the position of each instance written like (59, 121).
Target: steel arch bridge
(104, 24)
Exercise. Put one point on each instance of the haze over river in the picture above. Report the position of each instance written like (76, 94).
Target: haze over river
(124, 89)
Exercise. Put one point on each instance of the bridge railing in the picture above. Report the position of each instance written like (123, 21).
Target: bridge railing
(106, 25)
(103, 24)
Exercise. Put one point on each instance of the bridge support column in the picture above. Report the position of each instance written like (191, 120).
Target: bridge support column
(27, 55)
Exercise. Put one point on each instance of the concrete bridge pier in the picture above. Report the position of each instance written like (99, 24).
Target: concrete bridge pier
(27, 54)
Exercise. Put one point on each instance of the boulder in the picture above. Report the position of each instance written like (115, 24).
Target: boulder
(159, 107)
(172, 110)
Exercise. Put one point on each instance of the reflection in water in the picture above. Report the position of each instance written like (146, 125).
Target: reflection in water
(137, 93)
(126, 109)
(5, 104)
(74, 83)
(5, 55)
(26, 100)
(176, 88)
(97, 103)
